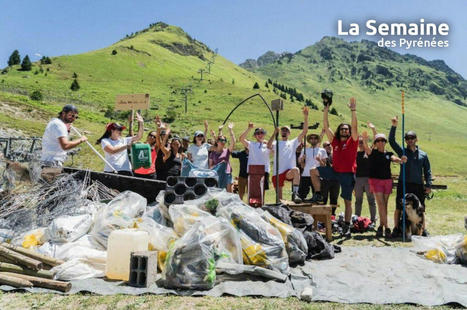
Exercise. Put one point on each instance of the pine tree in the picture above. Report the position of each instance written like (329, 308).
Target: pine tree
(75, 86)
(256, 86)
(14, 59)
(26, 64)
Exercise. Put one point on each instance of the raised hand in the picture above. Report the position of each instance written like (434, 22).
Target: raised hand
(353, 104)
(371, 126)
(139, 118)
(230, 126)
(305, 111)
(394, 121)
(365, 135)
(250, 125)
(206, 124)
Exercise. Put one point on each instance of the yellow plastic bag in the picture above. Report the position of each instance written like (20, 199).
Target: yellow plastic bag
(34, 238)
(436, 255)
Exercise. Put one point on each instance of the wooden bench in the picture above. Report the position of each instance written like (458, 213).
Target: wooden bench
(321, 213)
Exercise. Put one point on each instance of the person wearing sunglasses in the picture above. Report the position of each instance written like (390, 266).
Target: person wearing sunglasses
(345, 143)
(55, 141)
(115, 146)
(310, 157)
(198, 152)
(417, 172)
(380, 179)
(220, 153)
(288, 169)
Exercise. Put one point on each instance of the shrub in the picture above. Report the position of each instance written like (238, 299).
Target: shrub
(36, 95)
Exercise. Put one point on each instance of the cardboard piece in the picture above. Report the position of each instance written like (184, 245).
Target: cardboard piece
(132, 102)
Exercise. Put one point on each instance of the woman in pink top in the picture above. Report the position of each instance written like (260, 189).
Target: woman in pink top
(222, 154)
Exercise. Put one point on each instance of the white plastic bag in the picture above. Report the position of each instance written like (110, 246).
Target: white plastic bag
(160, 237)
(118, 214)
(185, 216)
(440, 249)
(69, 228)
(79, 269)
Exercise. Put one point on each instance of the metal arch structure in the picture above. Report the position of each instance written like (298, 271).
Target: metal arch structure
(245, 100)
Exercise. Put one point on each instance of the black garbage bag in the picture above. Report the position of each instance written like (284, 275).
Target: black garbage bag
(279, 211)
(302, 220)
(318, 248)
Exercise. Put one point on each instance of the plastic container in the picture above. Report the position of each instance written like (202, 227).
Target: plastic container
(140, 155)
(119, 247)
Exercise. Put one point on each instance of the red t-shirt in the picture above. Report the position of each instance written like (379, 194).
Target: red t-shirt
(151, 169)
(344, 155)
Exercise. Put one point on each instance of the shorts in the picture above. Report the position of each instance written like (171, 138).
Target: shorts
(282, 178)
(228, 178)
(327, 173)
(347, 182)
(380, 185)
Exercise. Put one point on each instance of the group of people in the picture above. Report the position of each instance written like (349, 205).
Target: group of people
(347, 162)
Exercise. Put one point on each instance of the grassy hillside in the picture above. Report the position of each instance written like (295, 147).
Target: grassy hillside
(375, 77)
(161, 59)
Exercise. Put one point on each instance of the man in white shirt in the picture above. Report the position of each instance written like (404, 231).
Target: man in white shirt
(311, 158)
(288, 169)
(55, 141)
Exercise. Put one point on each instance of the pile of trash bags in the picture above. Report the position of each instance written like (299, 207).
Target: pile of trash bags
(199, 242)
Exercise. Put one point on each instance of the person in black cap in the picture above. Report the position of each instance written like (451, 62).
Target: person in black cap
(115, 146)
(55, 140)
(417, 172)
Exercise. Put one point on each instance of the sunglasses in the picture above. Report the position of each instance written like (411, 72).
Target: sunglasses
(344, 129)
(152, 136)
(75, 116)
(260, 133)
(410, 138)
(326, 145)
(222, 140)
(200, 136)
(380, 140)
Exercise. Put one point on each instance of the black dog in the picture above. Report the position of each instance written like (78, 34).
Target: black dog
(415, 216)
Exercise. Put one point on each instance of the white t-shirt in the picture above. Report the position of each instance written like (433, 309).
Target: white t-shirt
(200, 155)
(118, 160)
(258, 154)
(287, 155)
(51, 149)
(310, 160)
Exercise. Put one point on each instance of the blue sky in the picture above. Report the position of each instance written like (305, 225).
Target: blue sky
(240, 29)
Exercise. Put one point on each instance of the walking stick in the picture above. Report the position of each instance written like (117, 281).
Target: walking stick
(95, 151)
(403, 168)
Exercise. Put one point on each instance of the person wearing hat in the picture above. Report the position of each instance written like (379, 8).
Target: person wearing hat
(345, 143)
(221, 153)
(55, 140)
(417, 172)
(258, 151)
(288, 169)
(380, 180)
(312, 158)
(198, 152)
(115, 146)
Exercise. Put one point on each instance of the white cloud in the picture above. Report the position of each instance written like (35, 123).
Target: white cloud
(37, 55)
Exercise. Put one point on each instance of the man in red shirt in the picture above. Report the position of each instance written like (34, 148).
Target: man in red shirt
(345, 145)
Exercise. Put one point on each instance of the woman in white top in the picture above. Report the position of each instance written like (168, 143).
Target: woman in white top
(115, 146)
(198, 152)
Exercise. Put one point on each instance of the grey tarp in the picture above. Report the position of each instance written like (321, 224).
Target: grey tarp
(384, 275)
(379, 275)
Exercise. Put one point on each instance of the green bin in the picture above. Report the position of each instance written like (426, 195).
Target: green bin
(140, 155)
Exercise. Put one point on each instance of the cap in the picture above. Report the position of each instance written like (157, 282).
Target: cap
(380, 136)
(286, 127)
(114, 126)
(410, 133)
(258, 130)
(69, 108)
(175, 137)
(199, 133)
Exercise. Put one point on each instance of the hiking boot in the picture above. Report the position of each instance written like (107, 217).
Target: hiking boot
(396, 233)
(425, 233)
(296, 199)
(387, 233)
(317, 198)
(372, 225)
(379, 232)
(346, 231)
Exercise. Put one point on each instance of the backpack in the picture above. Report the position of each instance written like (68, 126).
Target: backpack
(361, 224)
